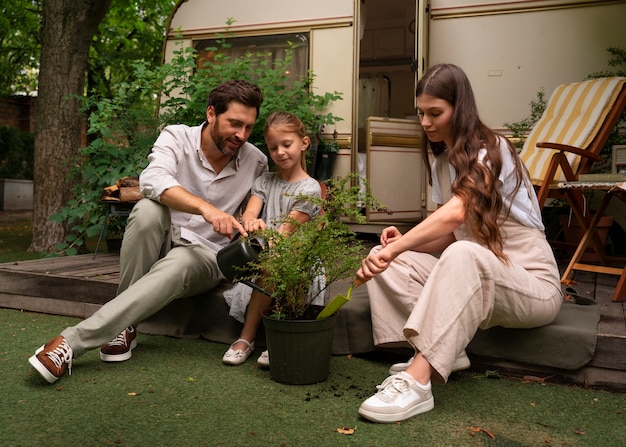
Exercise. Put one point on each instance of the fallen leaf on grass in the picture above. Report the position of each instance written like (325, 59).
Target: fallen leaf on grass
(578, 432)
(529, 379)
(479, 429)
(346, 430)
(133, 393)
(492, 374)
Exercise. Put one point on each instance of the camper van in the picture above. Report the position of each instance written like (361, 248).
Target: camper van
(373, 51)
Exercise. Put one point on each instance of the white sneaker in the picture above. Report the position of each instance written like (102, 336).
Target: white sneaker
(264, 359)
(462, 362)
(237, 357)
(399, 397)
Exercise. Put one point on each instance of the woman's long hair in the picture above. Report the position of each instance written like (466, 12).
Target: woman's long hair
(476, 182)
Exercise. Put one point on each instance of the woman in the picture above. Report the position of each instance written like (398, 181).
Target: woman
(495, 266)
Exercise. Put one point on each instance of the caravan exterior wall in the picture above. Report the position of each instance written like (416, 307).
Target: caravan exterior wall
(511, 50)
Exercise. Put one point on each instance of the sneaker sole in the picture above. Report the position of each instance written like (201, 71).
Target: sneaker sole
(387, 418)
(460, 364)
(41, 369)
(119, 357)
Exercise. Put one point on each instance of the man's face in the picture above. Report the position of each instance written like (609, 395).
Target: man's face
(232, 128)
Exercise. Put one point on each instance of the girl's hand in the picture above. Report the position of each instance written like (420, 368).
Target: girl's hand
(252, 225)
(389, 235)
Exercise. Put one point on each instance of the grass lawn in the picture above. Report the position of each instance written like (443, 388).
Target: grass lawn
(177, 392)
(15, 236)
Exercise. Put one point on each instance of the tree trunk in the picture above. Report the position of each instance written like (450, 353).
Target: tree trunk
(67, 29)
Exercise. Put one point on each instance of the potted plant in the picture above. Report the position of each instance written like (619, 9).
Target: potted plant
(287, 269)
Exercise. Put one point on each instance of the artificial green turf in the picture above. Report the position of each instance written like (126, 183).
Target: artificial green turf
(177, 392)
(15, 236)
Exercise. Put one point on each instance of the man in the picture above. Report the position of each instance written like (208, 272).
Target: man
(196, 181)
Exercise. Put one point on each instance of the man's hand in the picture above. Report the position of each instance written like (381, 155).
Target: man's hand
(224, 223)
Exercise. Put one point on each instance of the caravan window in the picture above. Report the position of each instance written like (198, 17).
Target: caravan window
(273, 47)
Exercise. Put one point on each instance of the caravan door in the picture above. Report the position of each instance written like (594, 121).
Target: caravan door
(389, 139)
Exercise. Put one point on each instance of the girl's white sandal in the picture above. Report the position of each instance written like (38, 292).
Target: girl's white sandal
(237, 357)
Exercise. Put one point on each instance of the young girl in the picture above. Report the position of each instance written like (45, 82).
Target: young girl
(495, 268)
(273, 202)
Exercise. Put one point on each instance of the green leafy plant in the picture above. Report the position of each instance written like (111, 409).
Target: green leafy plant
(325, 245)
(521, 128)
(124, 128)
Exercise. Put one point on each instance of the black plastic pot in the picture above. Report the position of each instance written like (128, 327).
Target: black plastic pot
(300, 350)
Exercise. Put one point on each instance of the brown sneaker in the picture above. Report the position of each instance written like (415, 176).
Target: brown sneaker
(52, 359)
(121, 347)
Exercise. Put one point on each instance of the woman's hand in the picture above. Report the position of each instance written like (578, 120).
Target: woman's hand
(374, 264)
(389, 235)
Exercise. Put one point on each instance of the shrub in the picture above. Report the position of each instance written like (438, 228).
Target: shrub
(124, 127)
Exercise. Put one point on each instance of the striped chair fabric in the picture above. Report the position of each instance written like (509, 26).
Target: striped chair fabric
(574, 115)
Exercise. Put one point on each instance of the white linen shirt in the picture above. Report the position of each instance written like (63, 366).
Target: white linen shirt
(524, 206)
(177, 160)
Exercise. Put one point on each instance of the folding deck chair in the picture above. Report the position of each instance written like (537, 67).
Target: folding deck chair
(566, 141)
(570, 134)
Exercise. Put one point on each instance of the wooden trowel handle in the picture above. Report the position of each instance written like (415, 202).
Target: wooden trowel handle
(357, 282)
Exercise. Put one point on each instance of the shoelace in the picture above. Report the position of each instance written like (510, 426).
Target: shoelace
(392, 386)
(62, 354)
(120, 340)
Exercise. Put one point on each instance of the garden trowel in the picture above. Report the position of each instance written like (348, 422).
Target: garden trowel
(338, 301)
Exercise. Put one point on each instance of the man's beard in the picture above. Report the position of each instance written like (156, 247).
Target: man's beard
(220, 143)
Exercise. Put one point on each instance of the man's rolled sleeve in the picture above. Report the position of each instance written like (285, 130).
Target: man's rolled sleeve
(160, 174)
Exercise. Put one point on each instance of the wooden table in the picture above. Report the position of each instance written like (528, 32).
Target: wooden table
(610, 189)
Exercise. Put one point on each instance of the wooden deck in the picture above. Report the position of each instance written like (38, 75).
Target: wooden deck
(77, 286)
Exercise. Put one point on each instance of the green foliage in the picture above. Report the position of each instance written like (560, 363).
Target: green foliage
(16, 153)
(123, 128)
(324, 245)
(20, 43)
(186, 88)
(521, 128)
(617, 60)
(131, 30)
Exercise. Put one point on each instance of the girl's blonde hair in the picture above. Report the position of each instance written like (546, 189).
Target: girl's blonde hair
(292, 123)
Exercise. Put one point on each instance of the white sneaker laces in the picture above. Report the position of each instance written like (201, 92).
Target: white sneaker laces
(62, 354)
(392, 386)
(120, 340)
